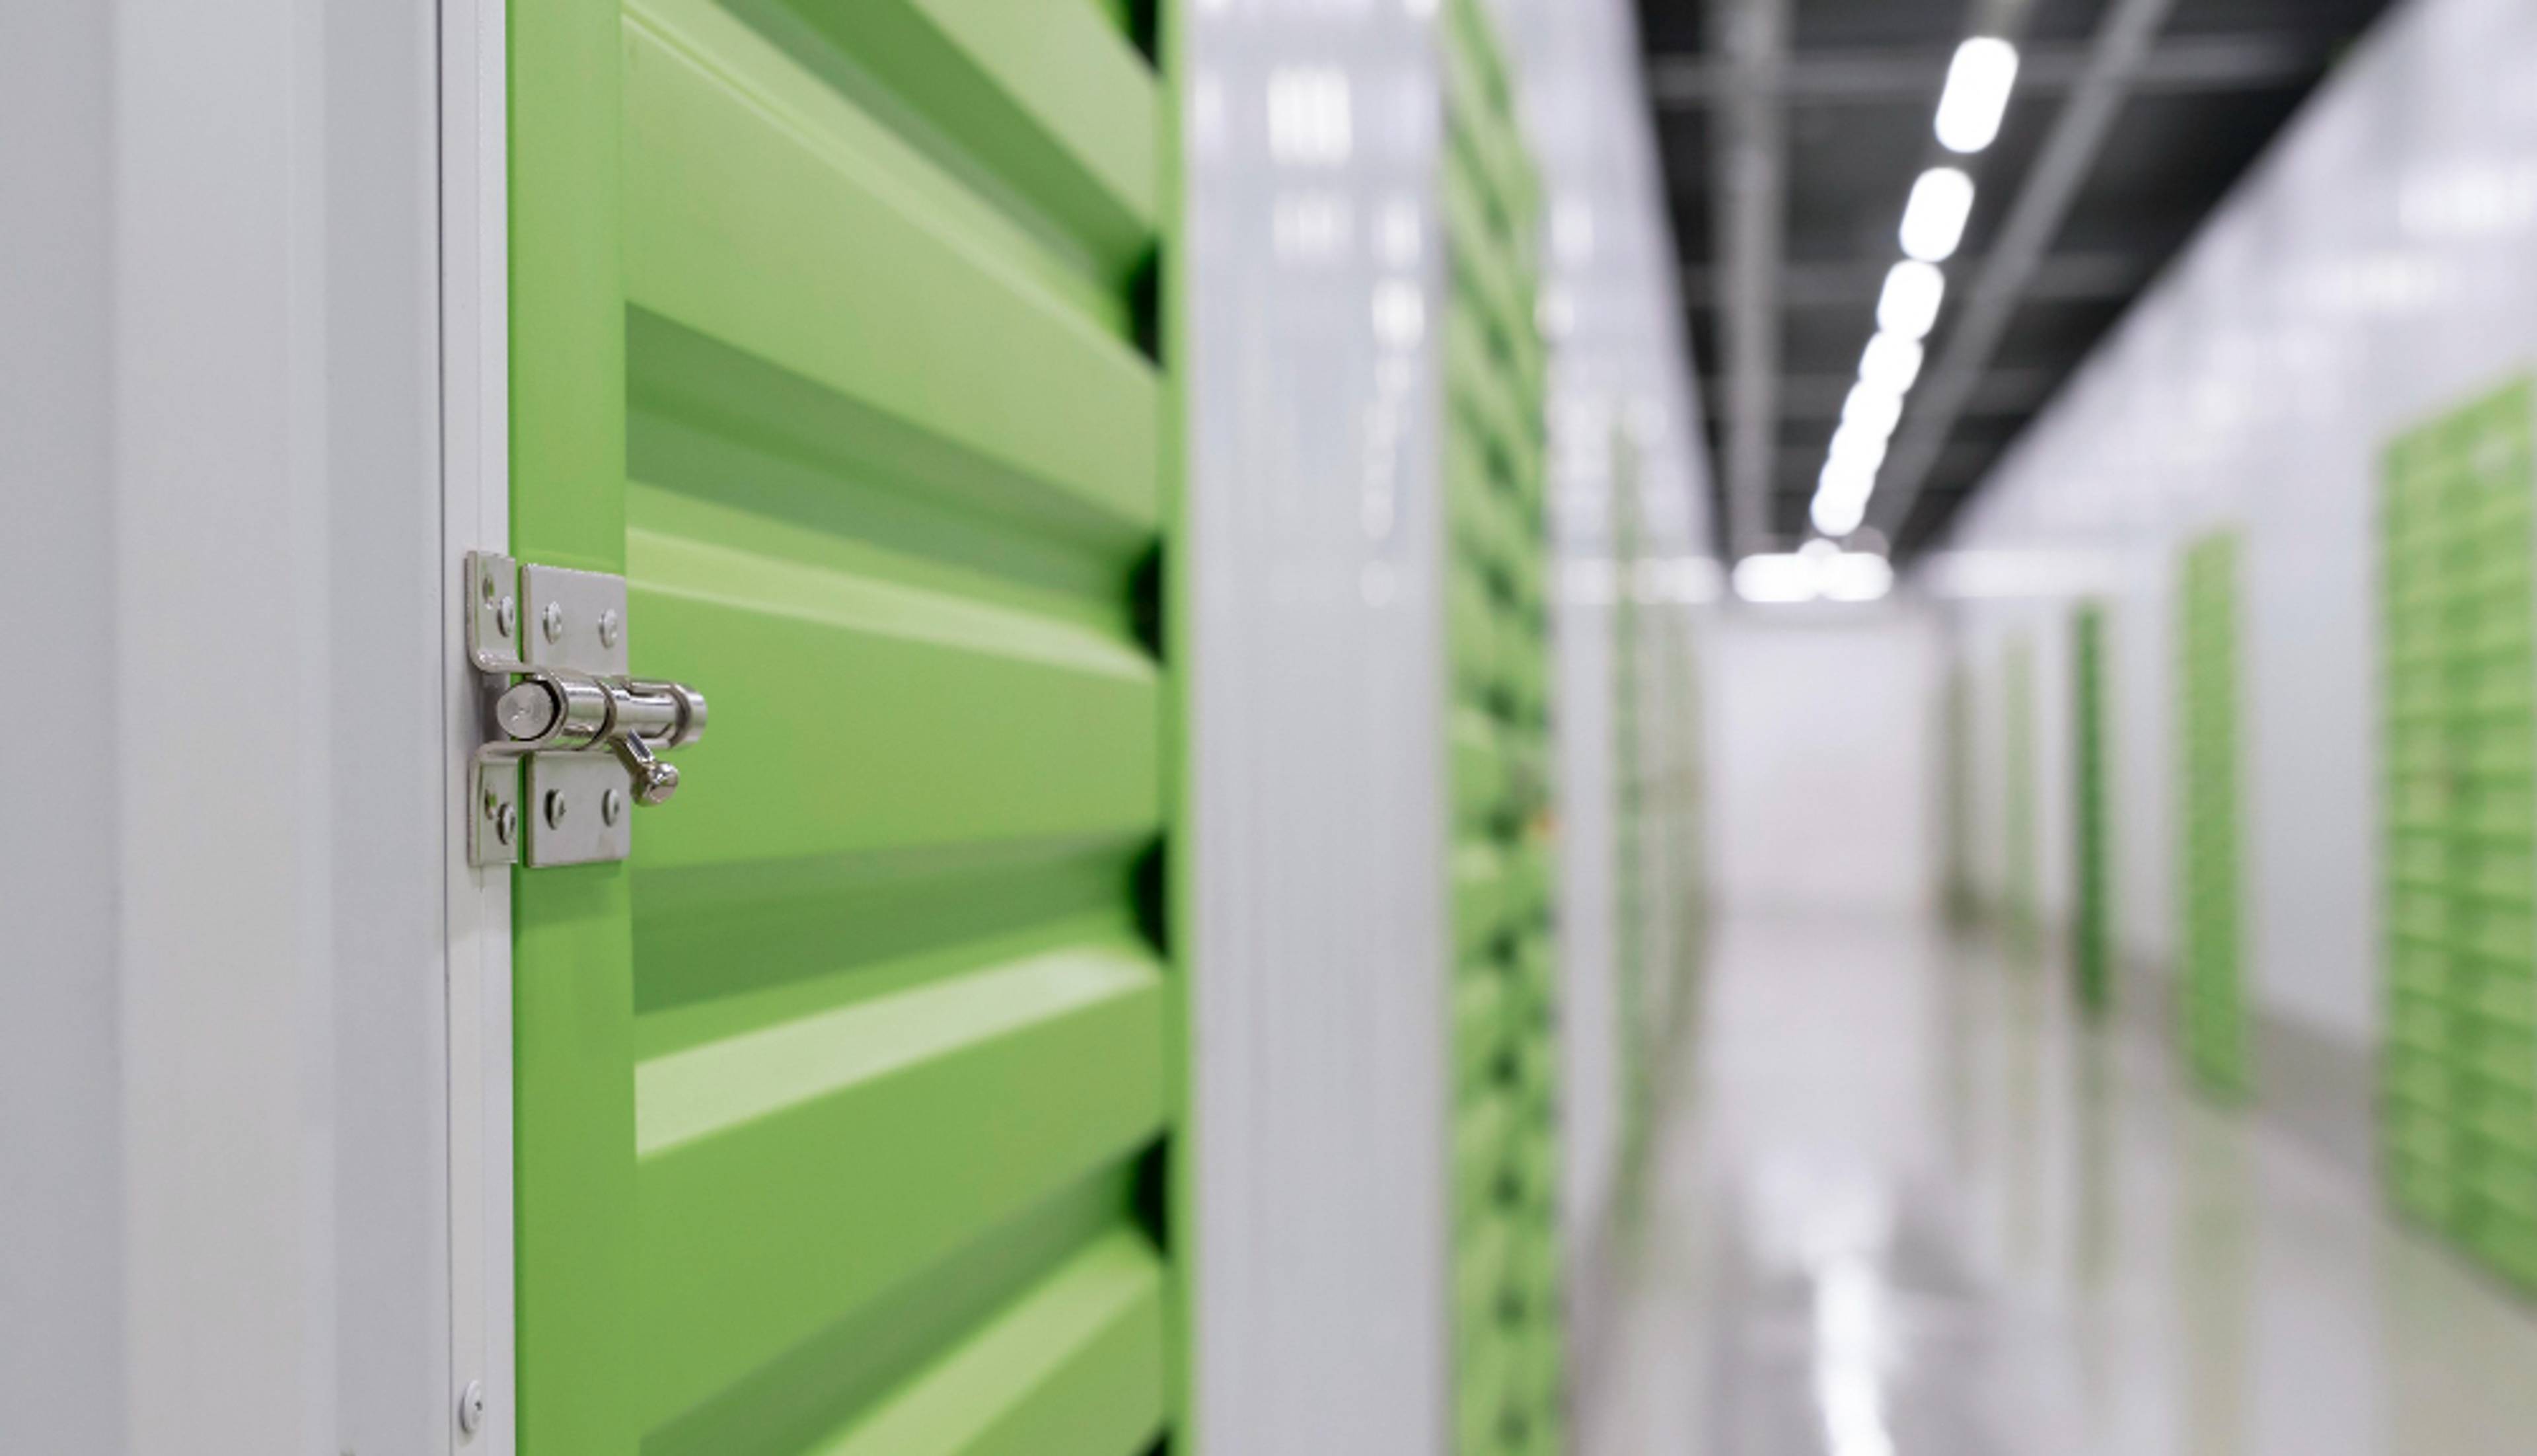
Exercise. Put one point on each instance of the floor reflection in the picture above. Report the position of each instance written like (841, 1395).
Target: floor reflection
(1910, 1207)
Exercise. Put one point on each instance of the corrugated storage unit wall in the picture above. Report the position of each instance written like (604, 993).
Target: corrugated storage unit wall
(2460, 1133)
(843, 1111)
(1506, 1247)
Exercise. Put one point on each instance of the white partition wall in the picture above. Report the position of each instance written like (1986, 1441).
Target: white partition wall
(1821, 725)
(221, 1086)
(1311, 143)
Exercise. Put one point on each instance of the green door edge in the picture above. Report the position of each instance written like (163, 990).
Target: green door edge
(573, 989)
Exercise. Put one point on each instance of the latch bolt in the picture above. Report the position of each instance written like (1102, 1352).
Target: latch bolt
(585, 728)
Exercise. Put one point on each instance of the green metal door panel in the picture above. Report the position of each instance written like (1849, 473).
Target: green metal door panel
(572, 998)
(2458, 1116)
(954, 372)
(1480, 890)
(2092, 819)
(1001, 729)
(1035, 1070)
(1480, 789)
(1481, 277)
(1503, 1009)
(842, 1109)
(1049, 100)
(2210, 984)
(1071, 1369)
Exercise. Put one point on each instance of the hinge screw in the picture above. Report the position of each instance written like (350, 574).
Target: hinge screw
(506, 824)
(555, 808)
(612, 806)
(506, 615)
(552, 620)
(607, 627)
(470, 1408)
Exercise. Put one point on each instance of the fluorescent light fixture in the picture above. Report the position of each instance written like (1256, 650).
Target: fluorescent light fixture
(1837, 515)
(1978, 81)
(1819, 572)
(1846, 477)
(1909, 306)
(1854, 446)
(1774, 577)
(1890, 365)
(1854, 576)
(1872, 408)
(1933, 220)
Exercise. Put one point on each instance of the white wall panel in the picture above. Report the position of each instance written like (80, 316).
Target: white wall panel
(2373, 268)
(1319, 822)
(1822, 735)
(220, 990)
(1320, 991)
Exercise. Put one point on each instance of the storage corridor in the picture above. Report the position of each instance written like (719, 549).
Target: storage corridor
(1908, 1205)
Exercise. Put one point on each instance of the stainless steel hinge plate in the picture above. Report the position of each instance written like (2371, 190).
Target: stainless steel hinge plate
(578, 810)
(564, 716)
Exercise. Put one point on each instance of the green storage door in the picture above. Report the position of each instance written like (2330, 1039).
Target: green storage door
(2459, 1135)
(2019, 844)
(2211, 993)
(1507, 1290)
(2091, 923)
(841, 1110)
(1963, 895)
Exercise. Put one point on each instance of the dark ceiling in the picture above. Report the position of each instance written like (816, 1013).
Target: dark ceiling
(1858, 80)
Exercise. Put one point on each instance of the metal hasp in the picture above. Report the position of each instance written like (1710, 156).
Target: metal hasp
(551, 643)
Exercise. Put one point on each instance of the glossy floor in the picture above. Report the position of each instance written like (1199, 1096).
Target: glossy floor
(1904, 1208)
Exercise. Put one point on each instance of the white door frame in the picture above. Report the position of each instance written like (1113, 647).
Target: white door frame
(475, 515)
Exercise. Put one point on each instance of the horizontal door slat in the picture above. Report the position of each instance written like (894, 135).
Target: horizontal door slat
(790, 244)
(1076, 1368)
(1050, 101)
(853, 715)
(790, 1175)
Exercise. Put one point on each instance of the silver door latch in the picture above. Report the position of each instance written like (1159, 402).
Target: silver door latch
(566, 716)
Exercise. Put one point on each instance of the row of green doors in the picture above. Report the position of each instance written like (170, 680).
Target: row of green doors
(1507, 1299)
(2458, 683)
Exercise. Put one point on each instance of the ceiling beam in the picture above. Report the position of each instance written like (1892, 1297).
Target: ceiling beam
(1749, 172)
(2107, 277)
(2127, 34)
(1855, 78)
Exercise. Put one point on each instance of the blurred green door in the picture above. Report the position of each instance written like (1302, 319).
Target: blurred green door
(2460, 1117)
(2092, 930)
(841, 1108)
(2210, 984)
(1507, 1303)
